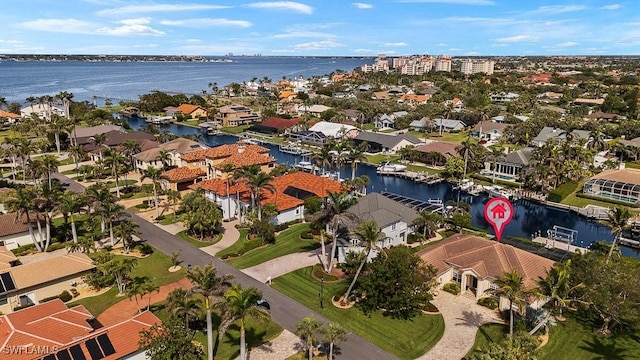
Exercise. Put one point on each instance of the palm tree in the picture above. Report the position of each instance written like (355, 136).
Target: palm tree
(496, 152)
(125, 230)
(111, 212)
(77, 153)
(97, 196)
(618, 219)
(212, 288)
(258, 182)
(321, 159)
(154, 175)
(334, 214)
(308, 330)
(129, 149)
(511, 286)
(165, 158)
(368, 235)
(446, 113)
(116, 161)
(241, 303)
(356, 155)
(466, 149)
(173, 197)
(50, 164)
(71, 204)
(99, 140)
(180, 304)
(428, 221)
(597, 141)
(334, 334)
(21, 203)
(227, 169)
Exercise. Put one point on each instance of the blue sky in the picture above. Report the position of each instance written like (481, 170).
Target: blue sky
(321, 27)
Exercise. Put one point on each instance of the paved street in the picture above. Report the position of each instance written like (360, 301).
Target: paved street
(286, 312)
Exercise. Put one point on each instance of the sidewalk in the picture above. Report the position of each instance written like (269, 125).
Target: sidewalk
(285, 345)
(282, 265)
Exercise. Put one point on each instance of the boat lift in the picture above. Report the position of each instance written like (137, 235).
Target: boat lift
(563, 234)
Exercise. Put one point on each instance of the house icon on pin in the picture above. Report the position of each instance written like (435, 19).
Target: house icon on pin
(498, 211)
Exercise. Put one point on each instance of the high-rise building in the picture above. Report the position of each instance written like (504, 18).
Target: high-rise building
(469, 66)
(443, 63)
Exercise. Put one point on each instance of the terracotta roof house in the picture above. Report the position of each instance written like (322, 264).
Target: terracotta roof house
(11, 117)
(436, 153)
(192, 111)
(414, 99)
(176, 149)
(275, 125)
(616, 184)
(290, 192)
(180, 178)
(29, 283)
(51, 331)
(14, 231)
(235, 115)
(380, 142)
(475, 263)
(394, 219)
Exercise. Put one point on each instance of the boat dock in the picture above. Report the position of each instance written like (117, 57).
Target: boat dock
(629, 242)
(559, 244)
(421, 177)
(293, 149)
(589, 211)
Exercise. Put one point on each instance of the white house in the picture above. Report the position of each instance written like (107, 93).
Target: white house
(448, 125)
(175, 148)
(393, 218)
(42, 111)
(15, 233)
(378, 142)
(332, 130)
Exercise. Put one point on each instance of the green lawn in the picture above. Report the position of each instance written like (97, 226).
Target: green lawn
(570, 339)
(155, 266)
(234, 129)
(380, 158)
(197, 243)
(450, 137)
(287, 242)
(235, 248)
(405, 339)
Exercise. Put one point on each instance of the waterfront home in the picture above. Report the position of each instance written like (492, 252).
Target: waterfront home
(394, 219)
(510, 167)
(615, 184)
(181, 178)
(191, 111)
(170, 111)
(30, 283)
(276, 125)
(334, 130)
(174, 148)
(41, 111)
(238, 155)
(10, 117)
(235, 115)
(558, 135)
(288, 195)
(83, 135)
(114, 140)
(475, 263)
(52, 331)
(380, 142)
(488, 131)
(436, 153)
(449, 125)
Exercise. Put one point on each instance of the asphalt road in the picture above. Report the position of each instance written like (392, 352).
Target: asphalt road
(284, 311)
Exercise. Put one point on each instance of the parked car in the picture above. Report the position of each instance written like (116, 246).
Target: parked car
(263, 303)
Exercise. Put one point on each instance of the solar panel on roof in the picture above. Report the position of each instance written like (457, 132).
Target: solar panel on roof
(94, 349)
(106, 345)
(76, 353)
(2, 289)
(63, 355)
(8, 281)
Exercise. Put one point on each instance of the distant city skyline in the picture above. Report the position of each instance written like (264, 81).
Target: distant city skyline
(321, 28)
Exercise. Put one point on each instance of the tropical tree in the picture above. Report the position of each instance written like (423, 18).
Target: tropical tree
(467, 148)
(154, 175)
(124, 231)
(173, 198)
(99, 140)
(227, 169)
(511, 286)
(212, 289)
(257, 183)
(111, 212)
(77, 153)
(180, 304)
(308, 329)
(618, 219)
(242, 303)
(130, 148)
(428, 221)
(356, 155)
(165, 158)
(334, 334)
(50, 165)
(21, 203)
(170, 340)
(120, 269)
(368, 235)
(116, 161)
(69, 205)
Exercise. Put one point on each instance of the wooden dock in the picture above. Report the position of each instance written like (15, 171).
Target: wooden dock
(421, 177)
(558, 244)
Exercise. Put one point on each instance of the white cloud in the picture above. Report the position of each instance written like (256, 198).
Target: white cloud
(193, 40)
(441, 44)
(137, 26)
(131, 9)
(360, 51)
(69, 26)
(567, 44)
(292, 34)
(283, 5)
(461, 2)
(317, 45)
(362, 5)
(396, 44)
(207, 22)
(516, 38)
(611, 7)
(559, 9)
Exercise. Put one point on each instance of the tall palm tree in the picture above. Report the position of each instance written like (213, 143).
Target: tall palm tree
(334, 334)
(124, 231)
(308, 330)
(596, 141)
(111, 212)
(173, 197)
(97, 196)
(242, 303)
(165, 158)
(257, 183)
(77, 153)
(356, 155)
(322, 159)
(129, 149)
(212, 288)
(153, 174)
(71, 204)
(21, 203)
(99, 140)
(428, 221)
(511, 286)
(334, 214)
(446, 113)
(57, 126)
(618, 219)
(180, 304)
(227, 169)
(368, 234)
(116, 161)
(467, 148)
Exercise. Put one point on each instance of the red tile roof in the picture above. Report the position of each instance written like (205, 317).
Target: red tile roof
(320, 186)
(188, 108)
(246, 158)
(51, 326)
(280, 123)
(183, 174)
(223, 151)
(9, 115)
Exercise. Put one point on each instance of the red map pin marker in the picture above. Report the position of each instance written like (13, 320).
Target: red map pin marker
(498, 212)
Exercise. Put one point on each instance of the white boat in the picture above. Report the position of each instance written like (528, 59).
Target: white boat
(465, 185)
(498, 191)
(159, 120)
(388, 167)
(304, 166)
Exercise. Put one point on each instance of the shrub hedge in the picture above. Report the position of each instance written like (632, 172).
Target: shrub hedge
(488, 302)
(452, 287)
(561, 192)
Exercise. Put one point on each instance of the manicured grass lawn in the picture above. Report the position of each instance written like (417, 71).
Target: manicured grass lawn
(570, 339)
(287, 242)
(406, 339)
(169, 219)
(418, 168)
(235, 248)
(197, 243)
(380, 158)
(450, 137)
(235, 129)
(155, 266)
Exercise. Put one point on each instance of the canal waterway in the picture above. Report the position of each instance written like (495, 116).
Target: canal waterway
(529, 217)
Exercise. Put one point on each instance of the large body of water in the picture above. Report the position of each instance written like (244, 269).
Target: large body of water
(19, 80)
(127, 81)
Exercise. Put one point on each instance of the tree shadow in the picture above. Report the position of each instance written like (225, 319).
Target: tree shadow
(254, 338)
(606, 351)
(471, 318)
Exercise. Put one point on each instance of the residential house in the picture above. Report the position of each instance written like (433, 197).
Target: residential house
(475, 263)
(354, 115)
(51, 331)
(170, 111)
(456, 104)
(7, 259)
(239, 154)
(314, 110)
(449, 125)
(80, 135)
(175, 148)
(436, 153)
(558, 135)
(605, 117)
(554, 109)
(10, 117)
(276, 125)
(191, 111)
(588, 102)
(424, 124)
(32, 282)
(504, 97)
(236, 115)
(501, 119)
(181, 178)
(114, 140)
(310, 137)
(488, 131)
(413, 99)
(549, 97)
(615, 184)
(42, 111)
(393, 218)
(381, 96)
(380, 142)
(334, 130)
(511, 167)
(386, 121)
(290, 191)
(14, 231)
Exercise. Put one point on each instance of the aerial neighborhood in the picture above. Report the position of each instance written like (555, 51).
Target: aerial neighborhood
(320, 217)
